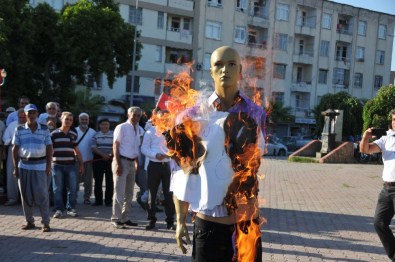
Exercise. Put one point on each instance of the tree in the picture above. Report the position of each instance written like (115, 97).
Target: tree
(278, 112)
(84, 102)
(376, 112)
(47, 54)
(352, 112)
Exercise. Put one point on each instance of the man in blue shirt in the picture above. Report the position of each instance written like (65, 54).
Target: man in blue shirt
(32, 156)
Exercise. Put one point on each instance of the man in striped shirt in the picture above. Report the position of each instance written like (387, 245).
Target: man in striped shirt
(32, 154)
(102, 158)
(64, 141)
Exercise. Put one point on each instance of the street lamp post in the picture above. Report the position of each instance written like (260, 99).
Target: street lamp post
(3, 75)
(134, 55)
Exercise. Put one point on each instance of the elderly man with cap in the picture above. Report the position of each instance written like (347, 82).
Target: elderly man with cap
(32, 156)
(85, 135)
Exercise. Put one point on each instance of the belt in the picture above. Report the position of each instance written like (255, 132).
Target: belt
(159, 163)
(389, 183)
(127, 158)
(33, 158)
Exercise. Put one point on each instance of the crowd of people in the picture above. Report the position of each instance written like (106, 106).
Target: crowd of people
(64, 157)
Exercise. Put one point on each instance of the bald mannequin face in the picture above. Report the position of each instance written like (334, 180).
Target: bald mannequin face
(225, 71)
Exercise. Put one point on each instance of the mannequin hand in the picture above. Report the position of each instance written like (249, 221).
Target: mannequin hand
(182, 231)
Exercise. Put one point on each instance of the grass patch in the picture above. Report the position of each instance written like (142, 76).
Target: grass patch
(303, 159)
(347, 185)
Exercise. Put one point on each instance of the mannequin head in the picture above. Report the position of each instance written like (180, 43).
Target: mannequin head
(226, 71)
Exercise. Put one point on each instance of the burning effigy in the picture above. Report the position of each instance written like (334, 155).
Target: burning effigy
(218, 152)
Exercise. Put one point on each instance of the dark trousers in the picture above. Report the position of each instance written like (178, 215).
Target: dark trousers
(382, 219)
(159, 172)
(102, 168)
(214, 241)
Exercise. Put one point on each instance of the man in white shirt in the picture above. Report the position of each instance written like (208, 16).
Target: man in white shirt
(84, 142)
(386, 200)
(126, 146)
(158, 170)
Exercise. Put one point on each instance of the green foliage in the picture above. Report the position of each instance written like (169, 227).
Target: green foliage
(84, 102)
(303, 159)
(376, 112)
(47, 53)
(278, 112)
(352, 112)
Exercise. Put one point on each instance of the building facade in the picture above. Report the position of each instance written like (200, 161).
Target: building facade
(294, 51)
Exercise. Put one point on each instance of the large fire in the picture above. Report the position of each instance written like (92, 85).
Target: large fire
(185, 147)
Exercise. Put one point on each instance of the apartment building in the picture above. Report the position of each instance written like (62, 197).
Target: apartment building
(294, 51)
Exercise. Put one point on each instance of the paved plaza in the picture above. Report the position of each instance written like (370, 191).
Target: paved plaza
(314, 212)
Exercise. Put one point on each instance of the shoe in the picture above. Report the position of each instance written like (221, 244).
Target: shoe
(72, 213)
(97, 204)
(58, 214)
(87, 202)
(46, 228)
(130, 223)
(142, 204)
(171, 226)
(150, 226)
(28, 226)
(11, 203)
(117, 224)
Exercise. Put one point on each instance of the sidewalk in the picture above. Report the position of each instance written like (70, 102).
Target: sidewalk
(314, 212)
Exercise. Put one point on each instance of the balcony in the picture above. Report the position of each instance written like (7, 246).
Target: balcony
(302, 87)
(181, 4)
(179, 35)
(176, 68)
(259, 16)
(303, 57)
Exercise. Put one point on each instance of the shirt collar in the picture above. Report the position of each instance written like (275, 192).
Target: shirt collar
(215, 101)
(27, 127)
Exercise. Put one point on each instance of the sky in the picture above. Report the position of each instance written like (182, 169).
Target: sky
(384, 6)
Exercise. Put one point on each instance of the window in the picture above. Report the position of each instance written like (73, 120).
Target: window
(324, 48)
(158, 53)
(207, 61)
(362, 25)
(341, 76)
(360, 54)
(135, 16)
(240, 34)
(326, 21)
(157, 86)
(241, 5)
(216, 3)
(380, 57)
(322, 76)
(279, 71)
(282, 12)
(358, 77)
(161, 20)
(213, 30)
(281, 42)
(382, 31)
(186, 24)
(378, 82)
(175, 24)
(95, 85)
(136, 87)
(278, 97)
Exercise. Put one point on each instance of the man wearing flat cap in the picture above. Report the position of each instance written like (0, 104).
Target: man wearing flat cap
(32, 156)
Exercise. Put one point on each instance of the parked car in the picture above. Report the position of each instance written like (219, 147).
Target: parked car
(275, 148)
(303, 140)
(289, 142)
